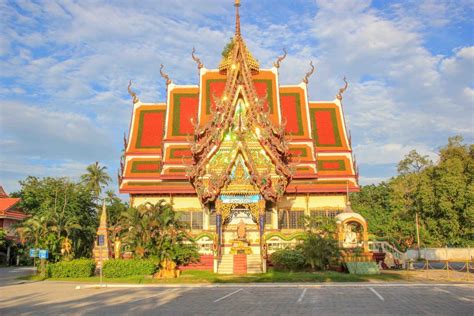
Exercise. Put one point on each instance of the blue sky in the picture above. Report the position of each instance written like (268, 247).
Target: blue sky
(65, 65)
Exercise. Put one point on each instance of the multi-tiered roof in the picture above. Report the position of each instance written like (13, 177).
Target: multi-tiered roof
(238, 121)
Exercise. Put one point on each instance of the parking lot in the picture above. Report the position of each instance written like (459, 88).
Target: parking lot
(55, 298)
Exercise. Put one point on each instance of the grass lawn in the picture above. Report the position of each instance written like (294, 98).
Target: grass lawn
(207, 277)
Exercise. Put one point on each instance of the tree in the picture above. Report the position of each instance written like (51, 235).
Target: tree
(442, 194)
(115, 208)
(96, 178)
(58, 208)
(413, 163)
(153, 230)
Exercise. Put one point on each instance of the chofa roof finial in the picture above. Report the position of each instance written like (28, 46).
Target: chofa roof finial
(165, 76)
(280, 59)
(309, 73)
(134, 96)
(196, 59)
(341, 91)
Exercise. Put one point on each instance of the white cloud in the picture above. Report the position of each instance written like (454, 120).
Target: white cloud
(29, 130)
(391, 153)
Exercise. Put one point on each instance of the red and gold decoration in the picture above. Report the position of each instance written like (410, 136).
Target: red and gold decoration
(240, 147)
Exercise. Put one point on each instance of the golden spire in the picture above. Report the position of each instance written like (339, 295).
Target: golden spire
(237, 17)
(237, 43)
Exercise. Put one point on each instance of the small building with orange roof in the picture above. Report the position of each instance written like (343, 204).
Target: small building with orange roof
(10, 213)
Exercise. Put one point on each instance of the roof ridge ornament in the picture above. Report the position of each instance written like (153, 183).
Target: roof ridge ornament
(309, 73)
(341, 90)
(165, 76)
(132, 93)
(196, 59)
(280, 59)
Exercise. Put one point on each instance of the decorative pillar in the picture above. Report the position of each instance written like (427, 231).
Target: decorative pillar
(219, 233)
(274, 218)
(219, 226)
(206, 216)
(101, 249)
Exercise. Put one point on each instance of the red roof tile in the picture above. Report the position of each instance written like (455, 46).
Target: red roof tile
(7, 203)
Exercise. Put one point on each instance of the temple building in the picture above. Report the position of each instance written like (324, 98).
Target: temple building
(243, 159)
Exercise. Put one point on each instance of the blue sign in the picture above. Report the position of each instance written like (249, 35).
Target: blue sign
(240, 198)
(33, 253)
(43, 254)
(101, 240)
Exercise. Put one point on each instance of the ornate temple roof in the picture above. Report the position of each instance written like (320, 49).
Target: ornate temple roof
(171, 145)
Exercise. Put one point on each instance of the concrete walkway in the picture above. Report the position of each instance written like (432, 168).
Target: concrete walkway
(9, 275)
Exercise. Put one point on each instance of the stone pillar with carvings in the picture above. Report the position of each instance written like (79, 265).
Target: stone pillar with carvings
(101, 249)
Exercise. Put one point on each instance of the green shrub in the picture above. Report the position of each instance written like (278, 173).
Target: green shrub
(288, 259)
(124, 268)
(186, 254)
(79, 268)
(318, 251)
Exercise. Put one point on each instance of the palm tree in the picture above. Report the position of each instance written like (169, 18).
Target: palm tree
(96, 178)
(154, 230)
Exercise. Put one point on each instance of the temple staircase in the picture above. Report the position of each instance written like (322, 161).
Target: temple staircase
(226, 264)
(239, 264)
(254, 264)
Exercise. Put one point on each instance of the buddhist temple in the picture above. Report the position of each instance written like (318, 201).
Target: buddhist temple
(243, 159)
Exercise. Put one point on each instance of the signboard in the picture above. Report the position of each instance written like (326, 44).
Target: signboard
(240, 198)
(43, 254)
(101, 240)
(33, 252)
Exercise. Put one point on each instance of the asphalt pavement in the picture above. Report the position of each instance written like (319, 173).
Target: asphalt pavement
(61, 298)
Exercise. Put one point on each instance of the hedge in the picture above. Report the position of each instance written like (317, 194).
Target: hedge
(79, 268)
(120, 268)
(288, 259)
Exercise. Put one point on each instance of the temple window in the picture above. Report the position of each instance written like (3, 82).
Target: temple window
(212, 219)
(268, 217)
(196, 220)
(325, 213)
(193, 219)
(290, 219)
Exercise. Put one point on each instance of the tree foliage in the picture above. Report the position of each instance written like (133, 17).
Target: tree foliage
(441, 193)
(58, 208)
(153, 230)
(96, 178)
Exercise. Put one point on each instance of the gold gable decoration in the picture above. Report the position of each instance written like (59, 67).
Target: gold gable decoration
(227, 60)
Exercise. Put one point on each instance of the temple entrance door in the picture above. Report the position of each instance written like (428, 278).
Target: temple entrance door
(240, 232)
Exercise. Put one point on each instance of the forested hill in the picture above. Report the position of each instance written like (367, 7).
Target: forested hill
(441, 192)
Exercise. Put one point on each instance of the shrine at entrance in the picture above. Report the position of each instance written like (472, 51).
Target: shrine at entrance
(243, 159)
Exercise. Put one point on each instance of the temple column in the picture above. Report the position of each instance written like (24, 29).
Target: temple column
(219, 227)
(205, 220)
(274, 218)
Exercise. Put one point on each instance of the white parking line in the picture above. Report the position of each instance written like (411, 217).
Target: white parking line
(376, 293)
(301, 296)
(441, 290)
(226, 296)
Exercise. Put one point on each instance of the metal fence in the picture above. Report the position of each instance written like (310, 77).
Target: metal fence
(449, 269)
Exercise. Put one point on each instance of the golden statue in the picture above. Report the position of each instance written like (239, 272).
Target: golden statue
(241, 231)
(117, 248)
(66, 247)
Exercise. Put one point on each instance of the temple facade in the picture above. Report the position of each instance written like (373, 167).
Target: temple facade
(243, 159)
